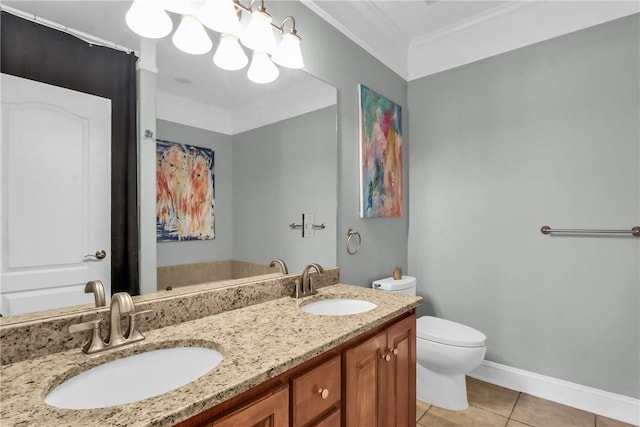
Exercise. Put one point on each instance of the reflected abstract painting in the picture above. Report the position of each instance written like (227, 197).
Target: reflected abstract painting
(185, 192)
(380, 156)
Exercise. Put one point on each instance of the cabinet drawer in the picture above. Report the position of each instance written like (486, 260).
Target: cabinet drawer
(315, 391)
(268, 411)
(331, 420)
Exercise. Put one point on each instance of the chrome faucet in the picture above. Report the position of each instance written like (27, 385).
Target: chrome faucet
(279, 262)
(121, 303)
(305, 287)
(97, 288)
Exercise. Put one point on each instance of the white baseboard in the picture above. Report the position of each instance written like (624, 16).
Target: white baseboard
(611, 405)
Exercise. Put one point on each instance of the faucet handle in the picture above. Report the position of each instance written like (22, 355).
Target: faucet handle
(299, 288)
(312, 287)
(86, 326)
(95, 342)
(134, 334)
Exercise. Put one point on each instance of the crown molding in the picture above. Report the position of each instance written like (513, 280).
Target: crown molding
(507, 28)
(387, 46)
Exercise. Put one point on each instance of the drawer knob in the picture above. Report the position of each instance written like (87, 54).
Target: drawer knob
(323, 393)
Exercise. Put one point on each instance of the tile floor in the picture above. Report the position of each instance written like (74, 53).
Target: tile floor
(494, 406)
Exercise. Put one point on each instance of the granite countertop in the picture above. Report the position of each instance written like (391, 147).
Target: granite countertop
(258, 342)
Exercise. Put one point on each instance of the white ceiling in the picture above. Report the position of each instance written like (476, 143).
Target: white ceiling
(414, 38)
(191, 89)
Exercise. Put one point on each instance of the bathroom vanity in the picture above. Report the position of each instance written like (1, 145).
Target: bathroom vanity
(370, 380)
(281, 366)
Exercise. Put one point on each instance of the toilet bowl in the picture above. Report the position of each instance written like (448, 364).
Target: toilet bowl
(445, 352)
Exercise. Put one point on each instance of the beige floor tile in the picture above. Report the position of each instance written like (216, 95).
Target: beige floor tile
(514, 423)
(608, 422)
(543, 413)
(421, 408)
(473, 416)
(491, 397)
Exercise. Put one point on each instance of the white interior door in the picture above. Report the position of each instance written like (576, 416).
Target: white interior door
(56, 195)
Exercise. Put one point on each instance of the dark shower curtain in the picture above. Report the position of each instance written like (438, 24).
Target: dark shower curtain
(40, 53)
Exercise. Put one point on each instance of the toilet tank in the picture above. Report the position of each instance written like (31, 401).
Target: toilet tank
(406, 285)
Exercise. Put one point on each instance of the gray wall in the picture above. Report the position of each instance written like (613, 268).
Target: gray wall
(544, 135)
(281, 171)
(332, 57)
(220, 248)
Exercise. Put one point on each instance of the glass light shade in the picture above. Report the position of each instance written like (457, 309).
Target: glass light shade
(259, 34)
(147, 19)
(191, 37)
(183, 7)
(262, 70)
(229, 55)
(289, 54)
(220, 16)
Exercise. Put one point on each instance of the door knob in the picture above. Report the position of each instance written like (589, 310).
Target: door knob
(100, 254)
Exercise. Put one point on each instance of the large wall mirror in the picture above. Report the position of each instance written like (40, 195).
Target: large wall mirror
(275, 149)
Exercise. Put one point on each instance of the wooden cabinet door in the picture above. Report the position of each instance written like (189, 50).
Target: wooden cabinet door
(271, 410)
(401, 374)
(315, 392)
(365, 382)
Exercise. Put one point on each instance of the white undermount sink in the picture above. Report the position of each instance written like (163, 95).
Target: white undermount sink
(134, 378)
(338, 307)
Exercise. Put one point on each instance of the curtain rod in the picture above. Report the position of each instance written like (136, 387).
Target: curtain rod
(93, 40)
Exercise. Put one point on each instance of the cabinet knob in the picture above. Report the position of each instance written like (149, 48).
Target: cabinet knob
(394, 351)
(386, 356)
(323, 393)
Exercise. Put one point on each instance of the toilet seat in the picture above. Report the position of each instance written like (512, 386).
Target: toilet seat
(447, 332)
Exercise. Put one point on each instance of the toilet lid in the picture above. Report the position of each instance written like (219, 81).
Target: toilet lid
(447, 332)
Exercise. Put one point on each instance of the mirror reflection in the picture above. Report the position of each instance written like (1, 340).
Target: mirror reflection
(275, 155)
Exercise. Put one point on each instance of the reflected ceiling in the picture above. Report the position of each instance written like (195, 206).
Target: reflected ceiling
(194, 77)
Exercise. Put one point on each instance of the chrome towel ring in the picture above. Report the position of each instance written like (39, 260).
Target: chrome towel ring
(350, 235)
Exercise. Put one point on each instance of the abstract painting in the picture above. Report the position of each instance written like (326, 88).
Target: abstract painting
(185, 192)
(380, 156)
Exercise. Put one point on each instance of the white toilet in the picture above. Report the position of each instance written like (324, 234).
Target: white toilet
(446, 351)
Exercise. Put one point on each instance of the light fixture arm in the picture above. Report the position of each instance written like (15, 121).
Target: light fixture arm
(249, 9)
(242, 8)
(293, 25)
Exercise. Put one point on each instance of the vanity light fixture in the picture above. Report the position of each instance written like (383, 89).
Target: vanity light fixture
(262, 70)
(149, 18)
(288, 53)
(191, 37)
(230, 55)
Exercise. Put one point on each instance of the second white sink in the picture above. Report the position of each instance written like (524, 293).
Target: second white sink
(338, 307)
(134, 378)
